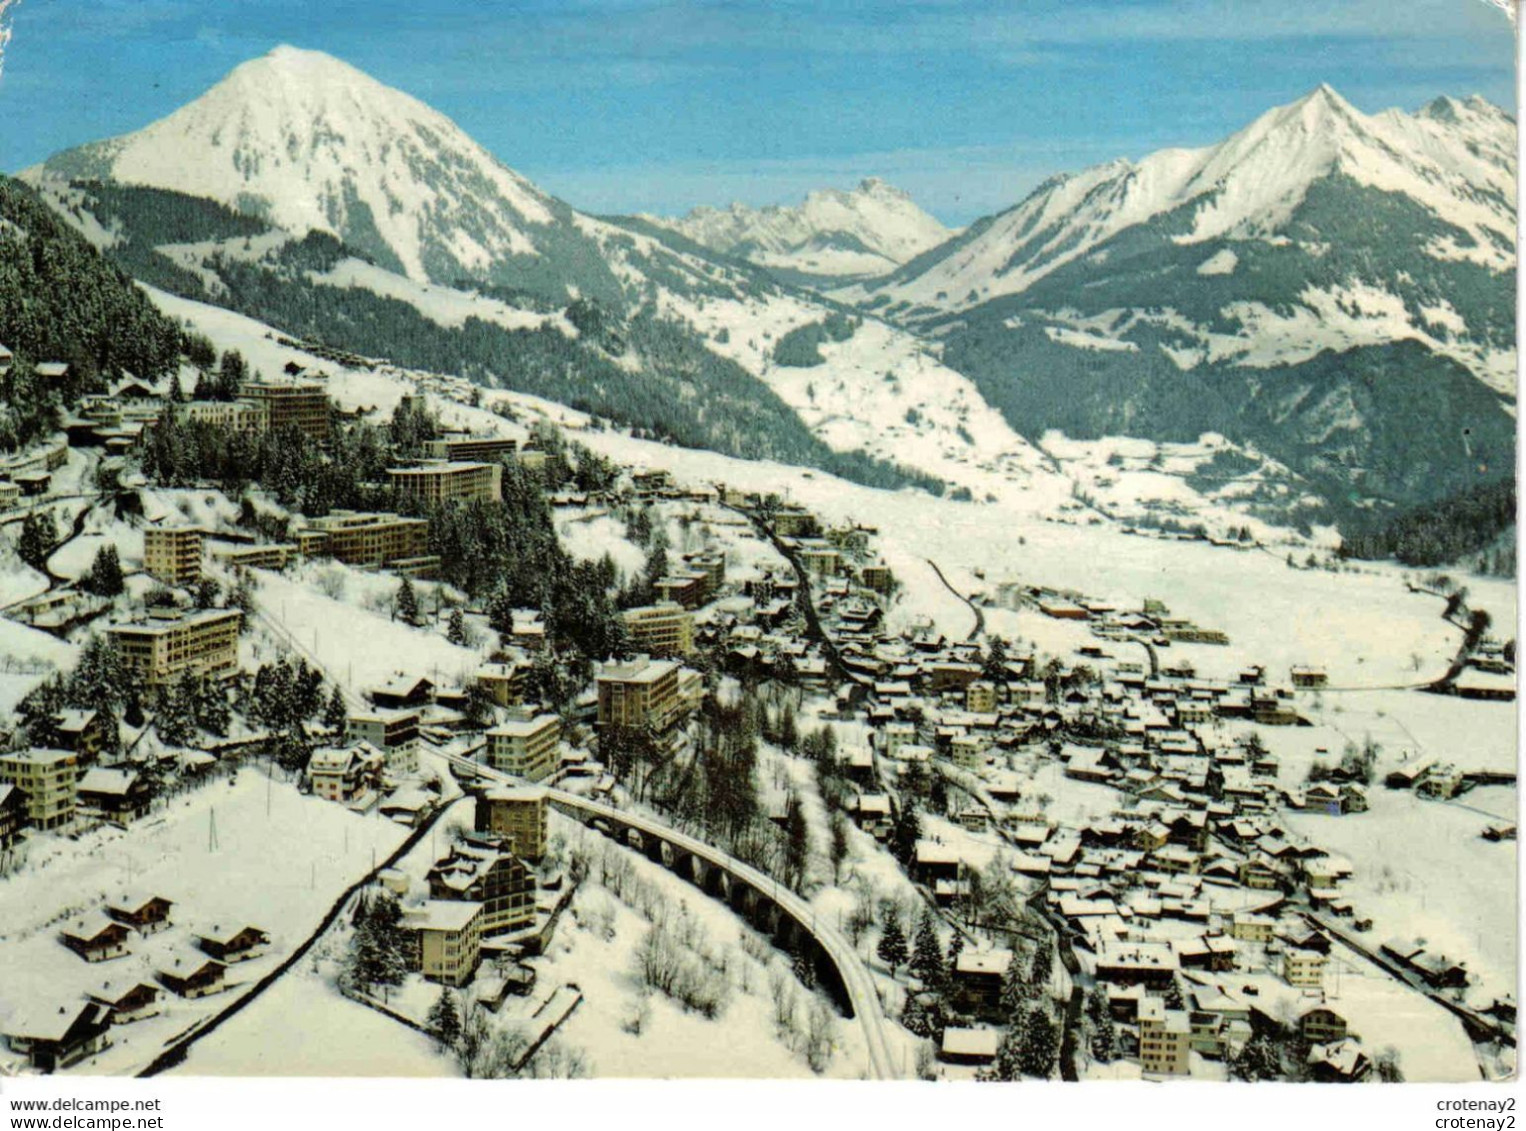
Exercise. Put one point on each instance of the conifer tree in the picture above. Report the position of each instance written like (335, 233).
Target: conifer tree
(1043, 968)
(38, 537)
(838, 827)
(407, 602)
(104, 578)
(456, 632)
(914, 1016)
(174, 718)
(1099, 1018)
(242, 598)
(335, 714)
(1041, 1042)
(892, 944)
(789, 732)
(132, 715)
(444, 1018)
(927, 955)
(797, 842)
(98, 678)
(955, 949)
(210, 707)
(904, 834)
(1008, 1064)
(1015, 990)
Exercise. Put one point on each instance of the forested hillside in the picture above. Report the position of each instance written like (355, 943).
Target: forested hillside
(1451, 530)
(61, 300)
(639, 370)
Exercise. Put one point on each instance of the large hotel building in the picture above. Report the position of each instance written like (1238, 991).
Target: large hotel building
(370, 539)
(437, 481)
(643, 694)
(526, 748)
(158, 651)
(301, 404)
(663, 630)
(173, 553)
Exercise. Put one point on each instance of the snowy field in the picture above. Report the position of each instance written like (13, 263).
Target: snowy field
(1422, 869)
(27, 657)
(356, 645)
(336, 1037)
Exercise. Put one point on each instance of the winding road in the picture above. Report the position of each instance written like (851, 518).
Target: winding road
(980, 617)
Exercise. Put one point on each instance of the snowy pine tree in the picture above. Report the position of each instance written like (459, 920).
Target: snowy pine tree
(1099, 1021)
(104, 578)
(38, 537)
(174, 717)
(335, 714)
(1015, 988)
(1041, 1042)
(955, 949)
(1043, 968)
(445, 1018)
(892, 944)
(210, 707)
(456, 632)
(838, 828)
(927, 955)
(407, 602)
(797, 843)
(904, 834)
(1008, 1065)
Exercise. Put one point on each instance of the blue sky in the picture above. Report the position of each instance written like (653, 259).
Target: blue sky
(626, 105)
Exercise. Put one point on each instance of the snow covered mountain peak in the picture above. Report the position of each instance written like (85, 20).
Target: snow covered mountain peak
(868, 230)
(311, 143)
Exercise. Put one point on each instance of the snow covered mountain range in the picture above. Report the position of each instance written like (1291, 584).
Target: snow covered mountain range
(1454, 159)
(1310, 291)
(832, 234)
(300, 192)
(1335, 287)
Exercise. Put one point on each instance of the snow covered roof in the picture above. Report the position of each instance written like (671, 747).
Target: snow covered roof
(72, 720)
(932, 852)
(100, 779)
(524, 728)
(971, 1042)
(1344, 1056)
(132, 902)
(443, 915)
(45, 1024)
(91, 927)
(226, 933)
(983, 961)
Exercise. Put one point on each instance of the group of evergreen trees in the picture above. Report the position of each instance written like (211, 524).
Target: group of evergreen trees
(97, 683)
(1443, 532)
(800, 348)
(60, 300)
(283, 697)
(1030, 1046)
(377, 955)
(104, 577)
(38, 539)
